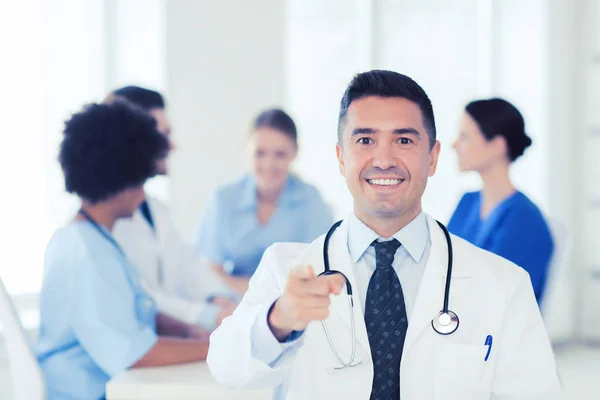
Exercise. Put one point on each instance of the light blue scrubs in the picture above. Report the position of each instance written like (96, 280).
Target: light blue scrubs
(96, 320)
(231, 235)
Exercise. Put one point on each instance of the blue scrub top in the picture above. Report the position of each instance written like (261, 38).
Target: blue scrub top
(515, 230)
(230, 234)
(96, 320)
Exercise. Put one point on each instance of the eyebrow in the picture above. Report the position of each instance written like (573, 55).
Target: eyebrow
(399, 131)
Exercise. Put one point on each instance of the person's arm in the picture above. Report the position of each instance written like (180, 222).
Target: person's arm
(195, 284)
(244, 352)
(525, 367)
(117, 330)
(169, 326)
(210, 243)
(170, 351)
(196, 312)
(178, 343)
(254, 346)
(239, 284)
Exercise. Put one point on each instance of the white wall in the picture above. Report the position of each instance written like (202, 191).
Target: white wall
(588, 172)
(322, 53)
(21, 84)
(520, 73)
(134, 43)
(53, 63)
(68, 53)
(225, 65)
(563, 127)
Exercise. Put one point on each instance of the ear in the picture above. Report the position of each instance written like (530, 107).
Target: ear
(499, 145)
(295, 153)
(340, 157)
(434, 154)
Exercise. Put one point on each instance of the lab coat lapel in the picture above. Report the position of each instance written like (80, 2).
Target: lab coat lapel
(155, 211)
(340, 260)
(430, 297)
(145, 235)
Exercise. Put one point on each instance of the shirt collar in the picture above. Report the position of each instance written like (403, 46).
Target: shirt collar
(247, 199)
(413, 237)
(292, 192)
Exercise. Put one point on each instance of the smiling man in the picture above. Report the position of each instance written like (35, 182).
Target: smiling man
(389, 340)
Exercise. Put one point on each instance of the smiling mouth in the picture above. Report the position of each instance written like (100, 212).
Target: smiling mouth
(385, 182)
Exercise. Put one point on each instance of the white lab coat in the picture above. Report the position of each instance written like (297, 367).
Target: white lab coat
(490, 295)
(187, 279)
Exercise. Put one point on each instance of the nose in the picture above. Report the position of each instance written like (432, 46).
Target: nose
(267, 163)
(270, 161)
(384, 157)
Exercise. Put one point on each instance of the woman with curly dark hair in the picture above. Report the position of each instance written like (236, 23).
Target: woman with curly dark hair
(96, 318)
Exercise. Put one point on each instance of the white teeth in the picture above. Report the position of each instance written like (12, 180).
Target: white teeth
(384, 182)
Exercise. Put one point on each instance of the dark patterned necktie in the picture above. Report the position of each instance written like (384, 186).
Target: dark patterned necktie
(387, 322)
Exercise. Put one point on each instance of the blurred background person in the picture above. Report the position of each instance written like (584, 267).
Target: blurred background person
(265, 206)
(178, 280)
(96, 319)
(499, 217)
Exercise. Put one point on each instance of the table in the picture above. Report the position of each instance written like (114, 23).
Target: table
(185, 381)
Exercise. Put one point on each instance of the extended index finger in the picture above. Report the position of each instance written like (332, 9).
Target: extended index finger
(336, 283)
(302, 272)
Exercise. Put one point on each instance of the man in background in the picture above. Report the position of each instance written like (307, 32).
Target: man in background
(172, 273)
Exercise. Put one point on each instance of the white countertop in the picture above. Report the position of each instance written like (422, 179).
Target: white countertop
(186, 381)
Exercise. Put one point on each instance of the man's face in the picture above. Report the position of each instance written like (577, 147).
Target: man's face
(163, 126)
(385, 157)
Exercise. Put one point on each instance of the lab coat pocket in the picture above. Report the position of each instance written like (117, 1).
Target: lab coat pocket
(461, 372)
(352, 382)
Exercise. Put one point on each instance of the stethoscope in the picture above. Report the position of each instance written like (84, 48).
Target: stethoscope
(445, 322)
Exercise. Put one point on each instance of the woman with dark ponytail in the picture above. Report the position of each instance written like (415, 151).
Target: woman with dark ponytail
(500, 218)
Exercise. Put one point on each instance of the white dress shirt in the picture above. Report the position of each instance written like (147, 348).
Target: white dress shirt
(409, 261)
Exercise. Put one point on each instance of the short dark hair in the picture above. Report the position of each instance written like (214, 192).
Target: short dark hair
(498, 117)
(141, 97)
(381, 83)
(107, 148)
(278, 119)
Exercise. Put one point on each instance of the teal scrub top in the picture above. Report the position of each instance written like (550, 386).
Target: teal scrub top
(96, 319)
(515, 230)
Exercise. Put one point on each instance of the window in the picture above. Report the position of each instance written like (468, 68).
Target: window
(458, 51)
(64, 57)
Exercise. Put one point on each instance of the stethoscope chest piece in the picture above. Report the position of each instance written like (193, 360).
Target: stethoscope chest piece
(445, 323)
